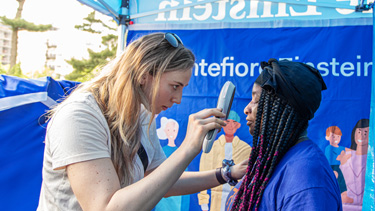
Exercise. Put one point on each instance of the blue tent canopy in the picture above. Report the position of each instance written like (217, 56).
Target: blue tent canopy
(23, 107)
(114, 9)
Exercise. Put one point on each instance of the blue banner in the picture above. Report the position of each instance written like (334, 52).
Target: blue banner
(225, 12)
(343, 55)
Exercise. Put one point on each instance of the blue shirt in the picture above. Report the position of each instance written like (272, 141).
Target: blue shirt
(303, 180)
(168, 150)
(332, 153)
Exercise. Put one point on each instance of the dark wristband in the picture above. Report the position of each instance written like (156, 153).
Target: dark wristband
(227, 174)
(219, 177)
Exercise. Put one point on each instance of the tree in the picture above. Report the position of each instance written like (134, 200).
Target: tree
(2, 68)
(86, 69)
(46, 72)
(18, 24)
(16, 71)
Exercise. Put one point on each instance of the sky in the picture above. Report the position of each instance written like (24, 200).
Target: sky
(62, 14)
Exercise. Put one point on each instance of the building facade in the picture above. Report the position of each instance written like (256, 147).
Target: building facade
(5, 44)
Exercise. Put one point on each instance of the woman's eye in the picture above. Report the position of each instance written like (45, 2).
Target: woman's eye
(175, 87)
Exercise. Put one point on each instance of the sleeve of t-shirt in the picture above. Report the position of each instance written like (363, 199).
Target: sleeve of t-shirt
(75, 134)
(159, 157)
(312, 199)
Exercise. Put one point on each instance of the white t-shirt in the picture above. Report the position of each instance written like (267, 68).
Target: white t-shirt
(79, 132)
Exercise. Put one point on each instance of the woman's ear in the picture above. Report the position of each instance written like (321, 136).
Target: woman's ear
(144, 79)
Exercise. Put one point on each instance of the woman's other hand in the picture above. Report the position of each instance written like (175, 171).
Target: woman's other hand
(199, 125)
(239, 170)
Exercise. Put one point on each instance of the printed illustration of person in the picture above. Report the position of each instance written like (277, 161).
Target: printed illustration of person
(332, 151)
(169, 130)
(353, 166)
(227, 146)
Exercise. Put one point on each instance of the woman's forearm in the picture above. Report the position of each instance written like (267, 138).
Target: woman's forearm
(193, 182)
(155, 186)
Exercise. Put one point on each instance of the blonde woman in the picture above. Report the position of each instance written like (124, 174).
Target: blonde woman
(91, 159)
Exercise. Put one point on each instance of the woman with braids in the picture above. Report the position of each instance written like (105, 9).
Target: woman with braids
(286, 170)
(101, 149)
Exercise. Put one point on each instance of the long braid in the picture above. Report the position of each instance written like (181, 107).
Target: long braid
(275, 116)
(290, 130)
(242, 196)
(274, 155)
(262, 149)
(254, 175)
(277, 128)
(278, 153)
(259, 116)
(255, 182)
(252, 159)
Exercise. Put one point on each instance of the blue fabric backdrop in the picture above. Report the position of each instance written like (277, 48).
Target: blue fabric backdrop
(344, 64)
(23, 104)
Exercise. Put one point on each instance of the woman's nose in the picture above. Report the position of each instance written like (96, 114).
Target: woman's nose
(247, 109)
(177, 98)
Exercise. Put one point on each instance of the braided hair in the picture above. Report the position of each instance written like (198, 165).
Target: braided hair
(277, 128)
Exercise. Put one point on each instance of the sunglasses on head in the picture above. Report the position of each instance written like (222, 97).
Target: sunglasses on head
(173, 39)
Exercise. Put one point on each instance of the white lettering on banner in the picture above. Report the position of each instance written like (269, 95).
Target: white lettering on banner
(241, 69)
(282, 11)
(220, 12)
(206, 12)
(253, 10)
(346, 69)
(347, 11)
(311, 10)
(186, 12)
(214, 69)
(172, 14)
(267, 10)
(243, 9)
(237, 8)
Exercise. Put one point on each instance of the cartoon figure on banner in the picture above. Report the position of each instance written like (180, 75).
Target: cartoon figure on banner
(169, 130)
(353, 166)
(332, 151)
(227, 146)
